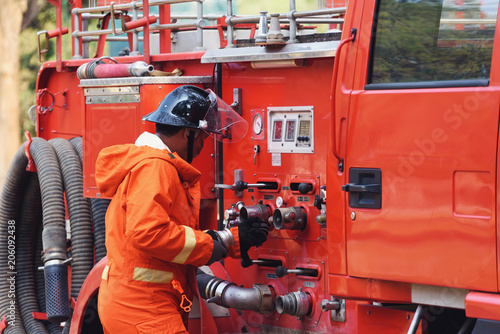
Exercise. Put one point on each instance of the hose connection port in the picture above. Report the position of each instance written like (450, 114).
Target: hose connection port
(293, 218)
(258, 210)
(297, 304)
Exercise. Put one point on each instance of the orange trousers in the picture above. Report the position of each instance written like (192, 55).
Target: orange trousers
(126, 309)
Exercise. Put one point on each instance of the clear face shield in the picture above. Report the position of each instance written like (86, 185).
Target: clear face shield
(221, 122)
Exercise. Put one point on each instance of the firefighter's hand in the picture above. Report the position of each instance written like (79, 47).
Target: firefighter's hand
(214, 236)
(252, 232)
(219, 252)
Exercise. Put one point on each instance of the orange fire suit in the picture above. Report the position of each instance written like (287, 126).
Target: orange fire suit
(152, 237)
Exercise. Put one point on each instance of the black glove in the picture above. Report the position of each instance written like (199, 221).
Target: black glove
(219, 252)
(214, 236)
(252, 232)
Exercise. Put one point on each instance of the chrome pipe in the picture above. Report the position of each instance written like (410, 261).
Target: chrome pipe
(419, 313)
(293, 23)
(199, 26)
(76, 42)
(259, 298)
(127, 6)
(173, 26)
(255, 18)
(135, 35)
(230, 29)
(306, 13)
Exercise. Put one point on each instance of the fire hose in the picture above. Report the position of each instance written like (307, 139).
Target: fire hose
(260, 298)
(27, 199)
(99, 206)
(97, 69)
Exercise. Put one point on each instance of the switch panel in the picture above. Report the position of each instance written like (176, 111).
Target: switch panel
(290, 129)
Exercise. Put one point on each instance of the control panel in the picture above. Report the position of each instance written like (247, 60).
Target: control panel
(290, 129)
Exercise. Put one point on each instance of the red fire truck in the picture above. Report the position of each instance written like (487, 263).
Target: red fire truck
(392, 110)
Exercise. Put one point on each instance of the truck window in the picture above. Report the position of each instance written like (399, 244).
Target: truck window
(432, 43)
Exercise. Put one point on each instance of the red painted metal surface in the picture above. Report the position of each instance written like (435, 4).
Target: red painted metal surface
(88, 290)
(438, 183)
(39, 315)
(482, 305)
(394, 321)
(369, 289)
(261, 89)
(30, 167)
(3, 324)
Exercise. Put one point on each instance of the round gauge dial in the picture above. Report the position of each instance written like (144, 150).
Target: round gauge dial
(257, 124)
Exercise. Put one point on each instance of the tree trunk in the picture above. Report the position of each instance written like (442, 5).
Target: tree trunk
(11, 17)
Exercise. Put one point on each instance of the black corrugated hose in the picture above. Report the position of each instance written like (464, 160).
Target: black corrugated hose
(10, 202)
(19, 216)
(54, 230)
(99, 207)
(30, 217)
(82, 243)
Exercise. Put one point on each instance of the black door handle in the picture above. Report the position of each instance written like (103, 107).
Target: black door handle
(361, 188)
(364, 188)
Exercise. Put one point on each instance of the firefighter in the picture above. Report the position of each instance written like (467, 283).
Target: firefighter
(152, 231)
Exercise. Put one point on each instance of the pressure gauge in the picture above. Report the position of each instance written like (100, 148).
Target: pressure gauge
(257, 124)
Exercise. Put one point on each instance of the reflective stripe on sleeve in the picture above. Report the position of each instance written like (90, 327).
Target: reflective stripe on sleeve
(152, 275)
(105, 273)
(189, 244)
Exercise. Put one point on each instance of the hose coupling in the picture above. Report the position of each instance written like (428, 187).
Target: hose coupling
(226, 237)
(292, 218)
(259, 210)
(259, 298)
(139, 69)
(297, 304)
(328, 305)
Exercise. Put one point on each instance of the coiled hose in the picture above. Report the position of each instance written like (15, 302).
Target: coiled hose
(24, 196)
(99, 207)
(29, 218)
(54, 230)
(9, 207)
(82, 243)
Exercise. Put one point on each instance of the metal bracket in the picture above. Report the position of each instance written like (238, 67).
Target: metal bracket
(112, 18)
(236, 105)
(338, 315)
(48, 35)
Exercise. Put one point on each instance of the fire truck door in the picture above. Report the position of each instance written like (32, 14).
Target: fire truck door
(422, 145)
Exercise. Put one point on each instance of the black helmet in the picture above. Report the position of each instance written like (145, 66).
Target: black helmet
(192, 107)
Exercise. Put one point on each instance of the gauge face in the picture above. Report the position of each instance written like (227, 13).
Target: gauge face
(257, 124)
(290, 130)
(277, 130)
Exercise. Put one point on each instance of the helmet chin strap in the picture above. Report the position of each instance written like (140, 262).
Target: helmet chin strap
(191, 137)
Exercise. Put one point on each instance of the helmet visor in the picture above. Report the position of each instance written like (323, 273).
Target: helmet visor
(222, 122)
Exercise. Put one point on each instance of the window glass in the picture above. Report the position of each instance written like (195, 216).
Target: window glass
(432, 40)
